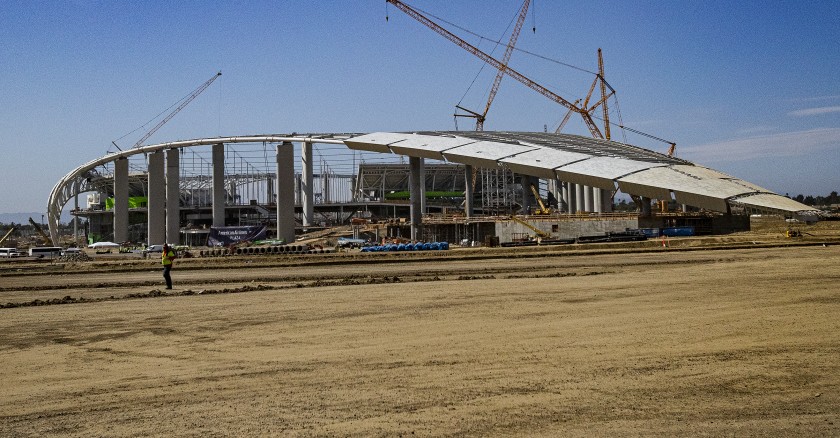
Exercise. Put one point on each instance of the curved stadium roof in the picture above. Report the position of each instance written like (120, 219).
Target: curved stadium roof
(583, 160)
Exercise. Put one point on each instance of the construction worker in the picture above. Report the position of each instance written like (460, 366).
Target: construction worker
(166, 258)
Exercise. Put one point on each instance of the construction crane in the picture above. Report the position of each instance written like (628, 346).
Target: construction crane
(540, 233)
(40, 231)
(587, 118)
(480, 118)
(599, 78)
(543, 209)
(9, 233)
(583, 110)
(183, 104)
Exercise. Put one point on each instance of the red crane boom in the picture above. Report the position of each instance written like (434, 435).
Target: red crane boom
(590, 123)
(479, 123)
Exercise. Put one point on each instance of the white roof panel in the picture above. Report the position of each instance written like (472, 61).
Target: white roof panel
(541, 162)
(774, 201)
(707, 202)
(601, 171)
(427, 146)
(375, 142)
(700, 171)
(484, 153)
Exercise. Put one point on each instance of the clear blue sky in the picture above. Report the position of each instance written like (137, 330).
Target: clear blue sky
(749, 88)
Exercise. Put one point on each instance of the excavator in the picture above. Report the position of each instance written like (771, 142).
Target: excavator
(540, 234)
(40, 231)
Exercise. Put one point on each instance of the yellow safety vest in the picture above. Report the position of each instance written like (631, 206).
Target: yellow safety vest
(167, 257)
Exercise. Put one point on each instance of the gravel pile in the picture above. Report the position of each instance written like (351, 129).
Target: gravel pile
(80, 257)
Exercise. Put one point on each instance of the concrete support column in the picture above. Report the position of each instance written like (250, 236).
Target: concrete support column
(572, 192)
(414, 186)
(470, 190)
(645, 207)
(121, 200)
(588, 198)
(580, 195)
(597, 200)
(606, 201)
(684, 208)
(564, 204)
(156, 206)
(285, 207)
(173, 196)
(308, 200)
(423, 186)
(218, 185)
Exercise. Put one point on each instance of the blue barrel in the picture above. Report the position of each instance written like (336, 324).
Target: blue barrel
(435, 246)
(401, 247)
(444, 246)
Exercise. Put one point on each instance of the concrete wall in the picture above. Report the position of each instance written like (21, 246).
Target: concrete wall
(565, 229)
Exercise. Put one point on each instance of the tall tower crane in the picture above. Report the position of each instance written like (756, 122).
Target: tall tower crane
(480, 118)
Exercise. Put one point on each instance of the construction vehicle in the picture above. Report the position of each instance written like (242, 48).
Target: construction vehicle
(9, 233)
(542, 209)
(40, 231)
(540, 234)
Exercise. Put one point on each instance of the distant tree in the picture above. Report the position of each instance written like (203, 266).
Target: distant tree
(800, 198)
(809, 200)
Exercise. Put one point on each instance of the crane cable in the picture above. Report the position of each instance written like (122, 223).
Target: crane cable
(545, 58)
(484, 64)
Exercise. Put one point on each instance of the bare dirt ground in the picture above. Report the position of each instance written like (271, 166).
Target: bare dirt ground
(699, 339)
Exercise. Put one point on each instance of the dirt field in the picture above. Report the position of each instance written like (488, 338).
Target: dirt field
(607, 341)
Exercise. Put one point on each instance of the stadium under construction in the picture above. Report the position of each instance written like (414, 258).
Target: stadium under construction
(423, 186)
